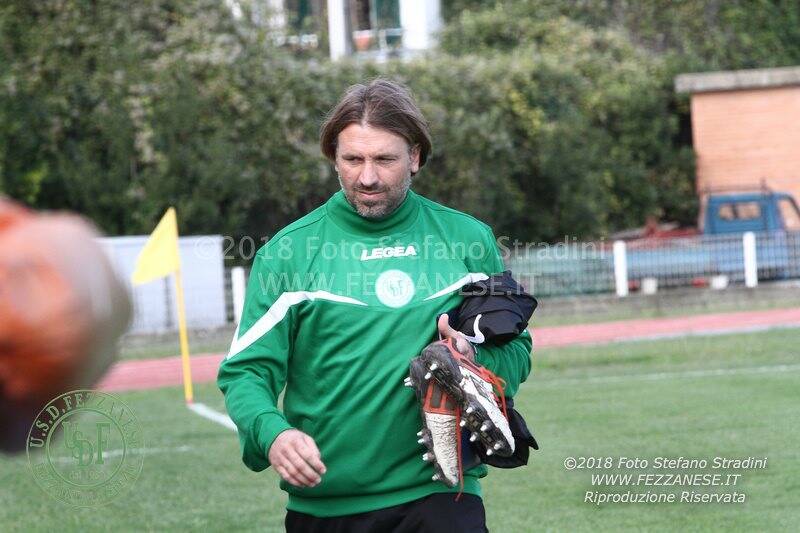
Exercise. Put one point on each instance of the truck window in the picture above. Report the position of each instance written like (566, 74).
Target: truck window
(739, 211)
(789, 214)
(748, 210)
(725, 212)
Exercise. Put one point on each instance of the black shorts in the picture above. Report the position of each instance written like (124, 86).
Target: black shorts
(431, 514)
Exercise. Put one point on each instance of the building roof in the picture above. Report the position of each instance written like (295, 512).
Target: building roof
(733, 80)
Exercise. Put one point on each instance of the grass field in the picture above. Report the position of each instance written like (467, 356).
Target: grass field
(643, 399)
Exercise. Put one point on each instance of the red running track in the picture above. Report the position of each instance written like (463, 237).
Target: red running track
(155, 373)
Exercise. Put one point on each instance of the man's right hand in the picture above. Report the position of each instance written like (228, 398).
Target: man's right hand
(296, 458)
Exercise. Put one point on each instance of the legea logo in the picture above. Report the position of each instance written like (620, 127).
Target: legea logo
(390, 251)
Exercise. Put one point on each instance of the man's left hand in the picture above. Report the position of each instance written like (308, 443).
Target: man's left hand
(459, 339)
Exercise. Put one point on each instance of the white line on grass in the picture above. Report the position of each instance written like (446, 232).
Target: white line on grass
(210, 414)
(672, 375)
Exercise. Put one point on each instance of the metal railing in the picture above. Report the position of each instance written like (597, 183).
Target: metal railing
(649, 264)
(564, 269)
(685, 260)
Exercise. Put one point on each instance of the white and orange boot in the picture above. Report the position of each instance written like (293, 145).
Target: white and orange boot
(439, 414)
(457, 394)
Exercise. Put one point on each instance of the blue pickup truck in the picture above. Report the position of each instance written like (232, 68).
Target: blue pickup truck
(681, 257)
(676, 256)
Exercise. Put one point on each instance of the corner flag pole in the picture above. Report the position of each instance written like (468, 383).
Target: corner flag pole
(187, 369)
(160, 257)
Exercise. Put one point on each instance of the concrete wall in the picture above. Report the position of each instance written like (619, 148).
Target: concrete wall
(155, 304)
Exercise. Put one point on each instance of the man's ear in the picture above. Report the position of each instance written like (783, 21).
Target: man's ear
(414, 154)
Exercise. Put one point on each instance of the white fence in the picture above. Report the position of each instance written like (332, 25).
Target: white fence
(154, 303)
(647, 265)
(214, 294)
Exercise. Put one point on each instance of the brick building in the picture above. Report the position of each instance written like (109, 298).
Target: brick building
(746, 128)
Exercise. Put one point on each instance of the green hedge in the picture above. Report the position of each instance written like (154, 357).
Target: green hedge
(119, 109)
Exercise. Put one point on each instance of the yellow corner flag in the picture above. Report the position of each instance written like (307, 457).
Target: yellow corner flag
(160, 258)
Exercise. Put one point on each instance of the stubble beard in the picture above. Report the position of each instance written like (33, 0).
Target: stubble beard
(379, 209)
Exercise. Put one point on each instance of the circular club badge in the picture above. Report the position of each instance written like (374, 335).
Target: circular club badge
(85, 448)
(394, 288)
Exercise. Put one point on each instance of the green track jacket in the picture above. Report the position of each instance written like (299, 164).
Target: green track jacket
(336, 307)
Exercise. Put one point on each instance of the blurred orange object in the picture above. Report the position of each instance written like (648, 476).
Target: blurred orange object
(62, 310)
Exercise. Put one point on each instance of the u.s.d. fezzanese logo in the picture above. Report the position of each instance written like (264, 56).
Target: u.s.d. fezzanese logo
(394, 288)
(85, 448)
